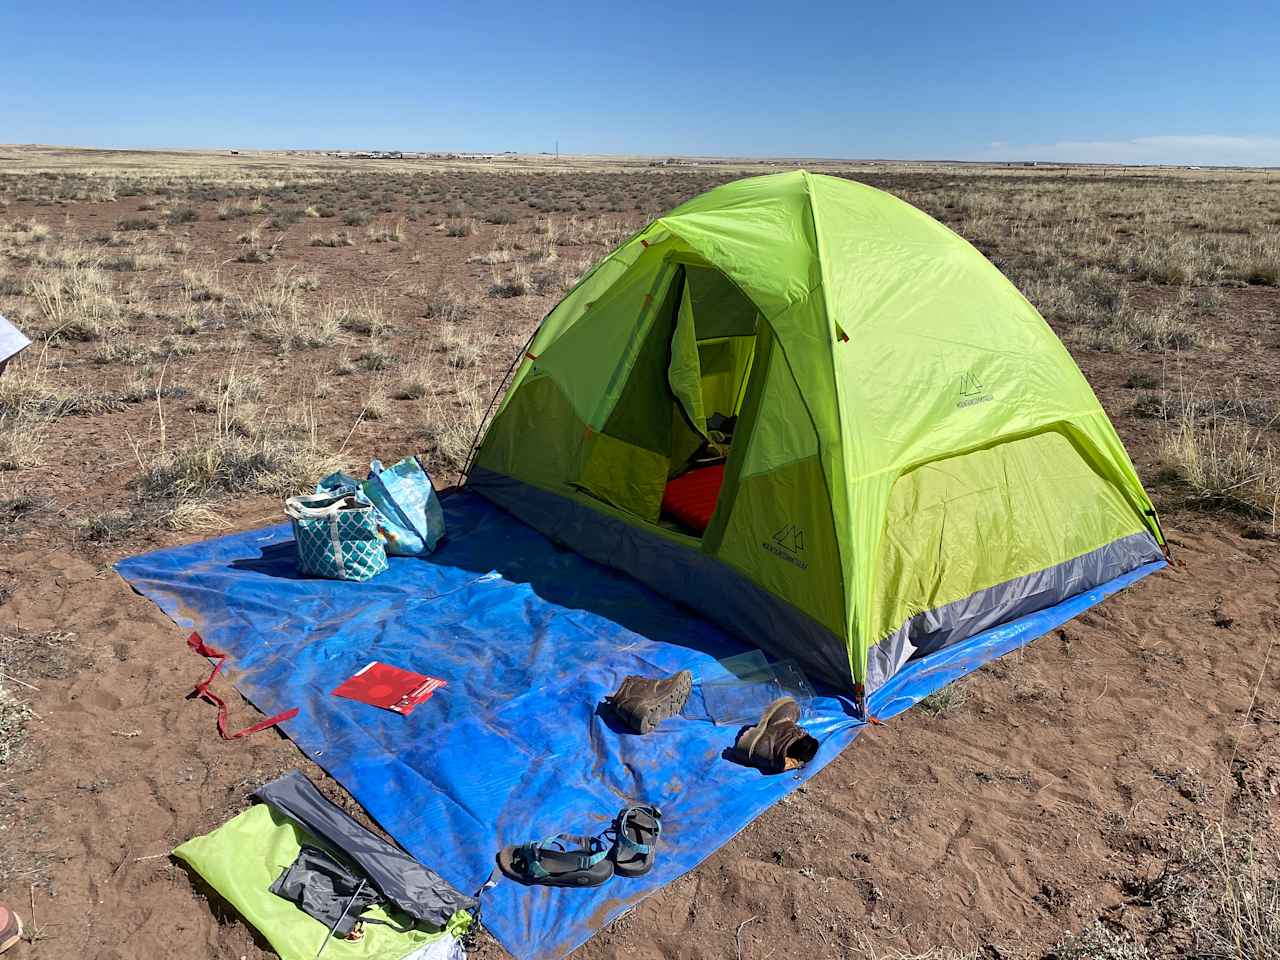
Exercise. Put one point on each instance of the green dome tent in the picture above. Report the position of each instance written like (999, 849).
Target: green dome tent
(914, 455)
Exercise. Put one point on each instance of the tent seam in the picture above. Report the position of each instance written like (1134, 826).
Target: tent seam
(840, 438)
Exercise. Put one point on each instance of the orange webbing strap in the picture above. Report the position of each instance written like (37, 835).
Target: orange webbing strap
(203, 692)
(860, 700)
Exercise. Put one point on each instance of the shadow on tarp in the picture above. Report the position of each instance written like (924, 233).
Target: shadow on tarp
(530, 638)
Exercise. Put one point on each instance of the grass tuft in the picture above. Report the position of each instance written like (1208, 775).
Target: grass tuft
(1223, 458)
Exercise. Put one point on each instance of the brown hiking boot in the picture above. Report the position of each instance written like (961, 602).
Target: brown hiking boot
(642, 703)
(10, 928)
(777, 742)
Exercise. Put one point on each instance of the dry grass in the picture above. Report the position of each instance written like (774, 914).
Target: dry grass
(865, 949)
(1217, 897)
(203, 284)
(1235, 908)
(450, 428)
(14, 717)
(515, 283)
(77, 303)
(365, 314)
(1100, 942)
(460, 227)
(945, 700)
(462, 346)
(386, 232)
(448, 303)
(274, 311)
(22, 439)
(376, 402)
(338, 238)
(247, 449)
(27, 657)
(415, 380)
(1223, 458)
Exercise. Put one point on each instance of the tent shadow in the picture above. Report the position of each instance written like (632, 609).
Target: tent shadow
(494, 541)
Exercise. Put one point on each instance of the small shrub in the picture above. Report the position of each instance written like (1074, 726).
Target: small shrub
(1141, 381)
(14, 716)
(450, 427)
(77, 303)
(22, 439)
(275, 312)
(449, 304)
(108, 526)
(375, 403)
(182, 215)
(256, 254)
(945, 699)
(357, 218)
(461, 347)
(1100, 942)
(414, 382)
(460, 227)
(133, 261)
(203, 285)
(284, 219)
(375, 360)
(516, 284)
(386, 233)
(270, 458)
(339, 238)
(132, 224)
(1224, 460)
(120, 350)
(365, 315)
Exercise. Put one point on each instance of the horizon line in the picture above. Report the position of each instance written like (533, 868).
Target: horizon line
(694, 157)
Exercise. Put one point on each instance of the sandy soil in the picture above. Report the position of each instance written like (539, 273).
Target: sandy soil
(1048, 793)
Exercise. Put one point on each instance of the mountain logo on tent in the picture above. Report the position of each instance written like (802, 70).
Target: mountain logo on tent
(972, 391)
(788, 544)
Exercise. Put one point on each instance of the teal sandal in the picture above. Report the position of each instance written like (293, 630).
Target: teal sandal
(564, 860)
(635, 839)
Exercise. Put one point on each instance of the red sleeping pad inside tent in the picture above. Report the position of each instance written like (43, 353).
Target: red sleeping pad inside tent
(691, 497)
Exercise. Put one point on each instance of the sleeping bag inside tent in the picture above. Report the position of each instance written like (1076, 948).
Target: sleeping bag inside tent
(806, 409)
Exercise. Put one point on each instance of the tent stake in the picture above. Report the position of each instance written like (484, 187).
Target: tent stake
(328, 936)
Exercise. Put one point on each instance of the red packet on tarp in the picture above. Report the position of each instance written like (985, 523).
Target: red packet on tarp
(382, 685)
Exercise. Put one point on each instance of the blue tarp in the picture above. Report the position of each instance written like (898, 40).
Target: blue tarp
(530, 638)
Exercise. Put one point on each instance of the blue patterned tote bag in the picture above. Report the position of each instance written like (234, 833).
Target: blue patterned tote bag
(409, 512)
(337, 536)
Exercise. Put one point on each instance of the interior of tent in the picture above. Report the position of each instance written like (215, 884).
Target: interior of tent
(686, 382)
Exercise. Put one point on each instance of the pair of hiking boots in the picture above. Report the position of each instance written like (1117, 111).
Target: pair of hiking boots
(774, 744)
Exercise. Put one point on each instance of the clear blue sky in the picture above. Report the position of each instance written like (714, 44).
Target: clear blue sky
(1182, 82)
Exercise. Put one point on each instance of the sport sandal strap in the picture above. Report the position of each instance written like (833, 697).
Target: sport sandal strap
(624, 839)
(563, 847)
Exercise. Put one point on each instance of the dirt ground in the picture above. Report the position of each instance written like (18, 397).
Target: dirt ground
(1111, 773)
